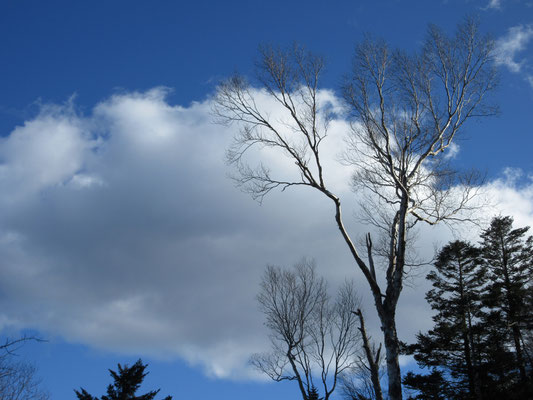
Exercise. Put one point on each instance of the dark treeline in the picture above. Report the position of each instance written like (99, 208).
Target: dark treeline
(481, 343)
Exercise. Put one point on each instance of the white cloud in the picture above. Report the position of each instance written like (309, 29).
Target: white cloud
(494, 4)
(42, 153)
(514, 42)
(120, 230)
(452, 151)
(513, 195)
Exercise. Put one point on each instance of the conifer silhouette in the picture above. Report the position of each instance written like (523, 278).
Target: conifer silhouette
(127, 382)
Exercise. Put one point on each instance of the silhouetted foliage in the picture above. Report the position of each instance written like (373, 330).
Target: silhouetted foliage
(508, 256)
(432, 386)
(479, 347)
(126, 382)
(313, 394)
(454, 343)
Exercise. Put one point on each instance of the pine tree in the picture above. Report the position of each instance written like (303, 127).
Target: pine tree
(126, 383)
(453, 347)
(481, 343)
(432, 386)
(508, 257)
(313, 394)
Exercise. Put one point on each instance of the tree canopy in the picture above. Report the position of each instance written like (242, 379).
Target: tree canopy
(479, 347)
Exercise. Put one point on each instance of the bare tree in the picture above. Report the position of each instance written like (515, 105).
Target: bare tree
(313, 339)
(406, 109)
(18, 380)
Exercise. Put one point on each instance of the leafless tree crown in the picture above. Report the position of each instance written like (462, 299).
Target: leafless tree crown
(18, 380)
(313, 338)
(407, 110)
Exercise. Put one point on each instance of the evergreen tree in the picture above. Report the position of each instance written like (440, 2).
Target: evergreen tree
(480, 346)
(454, 344)
(432, 386)
(313, 394)
(508, 257)
(126, 383)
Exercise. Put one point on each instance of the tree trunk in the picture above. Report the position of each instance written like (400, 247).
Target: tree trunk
(386, 309)
(468, 361)
(466, 326)
(392, 350)
(297, 374)
(519, 355)
(373, 359)
(511, 317)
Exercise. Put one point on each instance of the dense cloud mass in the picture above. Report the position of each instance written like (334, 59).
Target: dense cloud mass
(121, 230)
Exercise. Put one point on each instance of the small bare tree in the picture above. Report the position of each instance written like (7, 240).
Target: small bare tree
(313, 339)
(18, 380)
(406, 109)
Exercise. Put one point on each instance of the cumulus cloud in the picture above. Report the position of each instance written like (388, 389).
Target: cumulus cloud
(120, 229)
(124, 221)
(43, 152)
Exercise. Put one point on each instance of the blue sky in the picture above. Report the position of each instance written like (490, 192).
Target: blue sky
(116, 210)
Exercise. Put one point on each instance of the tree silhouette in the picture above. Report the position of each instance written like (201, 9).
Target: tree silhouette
(480, 345)
(313, 394)
(127, 382)
(432, 386)
(312, 337)
(508, 255)
(454, 343)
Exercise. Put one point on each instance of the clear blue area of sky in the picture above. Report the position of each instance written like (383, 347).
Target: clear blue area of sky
(51, 50)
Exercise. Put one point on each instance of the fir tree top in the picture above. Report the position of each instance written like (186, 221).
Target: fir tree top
(126, 383)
